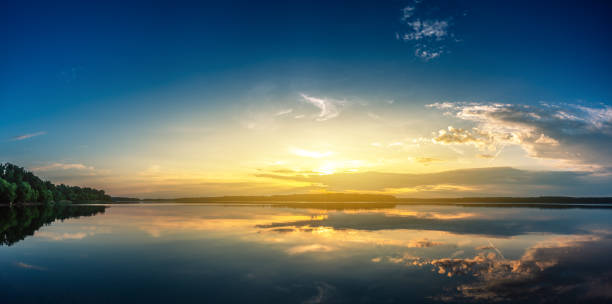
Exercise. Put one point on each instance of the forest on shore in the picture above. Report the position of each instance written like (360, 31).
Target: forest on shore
(18, 185)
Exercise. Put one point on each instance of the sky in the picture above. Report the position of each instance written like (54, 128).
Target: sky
(411, 98)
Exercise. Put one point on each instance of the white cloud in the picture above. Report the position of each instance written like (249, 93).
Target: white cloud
(407, 12)
(428, 54)
(374, 116)
(309, 248)
(437, 29)
(61, 166)
(578, 136)
(328, 108)
(30, 135)
(283, 112)
(430, 36)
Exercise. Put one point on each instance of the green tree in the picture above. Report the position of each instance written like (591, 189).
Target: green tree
(25, 193)
(8, 191)
(30, 188)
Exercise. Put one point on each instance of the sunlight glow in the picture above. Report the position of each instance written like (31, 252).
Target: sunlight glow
(311, 154)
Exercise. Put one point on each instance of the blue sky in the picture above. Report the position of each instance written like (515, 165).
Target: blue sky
(98, 83)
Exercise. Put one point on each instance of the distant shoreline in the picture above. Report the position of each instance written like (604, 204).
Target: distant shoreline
(375, 198)
(343, 200)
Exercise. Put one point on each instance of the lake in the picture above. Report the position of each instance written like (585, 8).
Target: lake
(304, 253)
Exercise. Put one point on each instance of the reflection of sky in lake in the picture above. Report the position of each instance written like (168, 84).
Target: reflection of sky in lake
(216, 253)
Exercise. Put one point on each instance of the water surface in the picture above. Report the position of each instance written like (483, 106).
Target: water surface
(304, 253)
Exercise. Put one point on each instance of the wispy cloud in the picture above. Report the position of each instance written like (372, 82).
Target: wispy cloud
(283, 112)
(30, 266)
(61, 236)
(61, 166)
(328, 108)
(29, 135)
(309, 248)
(407, 12)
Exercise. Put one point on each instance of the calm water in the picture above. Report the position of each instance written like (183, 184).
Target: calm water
(300, 253)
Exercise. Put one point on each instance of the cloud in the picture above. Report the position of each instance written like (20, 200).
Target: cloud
(477, 181)
(30, 266)
(426, 53)
(61, 236)
(430, 36)
(427, 160)
(435, 29)
(542, 271)
(61, 166)
(460, 136)
(30, 135)
(309, 248)
(424, 243)
(283, 112)
(407, 12)
(328, 108)
(579, 136)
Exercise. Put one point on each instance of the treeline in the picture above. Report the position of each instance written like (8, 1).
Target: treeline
(17, 185)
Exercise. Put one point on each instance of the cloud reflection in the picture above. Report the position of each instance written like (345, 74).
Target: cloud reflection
(567, 266)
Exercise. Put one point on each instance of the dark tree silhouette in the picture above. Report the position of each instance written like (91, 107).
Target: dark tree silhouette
(17, 185)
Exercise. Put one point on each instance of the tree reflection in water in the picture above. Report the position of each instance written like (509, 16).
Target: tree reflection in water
(16, 223)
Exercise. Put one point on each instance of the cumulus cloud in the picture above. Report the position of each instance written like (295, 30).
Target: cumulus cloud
(542, 270)
(461, 136)
(62, 166)
(429, 36)
(328, 108)
(579, 136)
(29, 135)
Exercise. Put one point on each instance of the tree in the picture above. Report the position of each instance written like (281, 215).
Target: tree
(25, 193)
(8, 191)
(30, 188)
